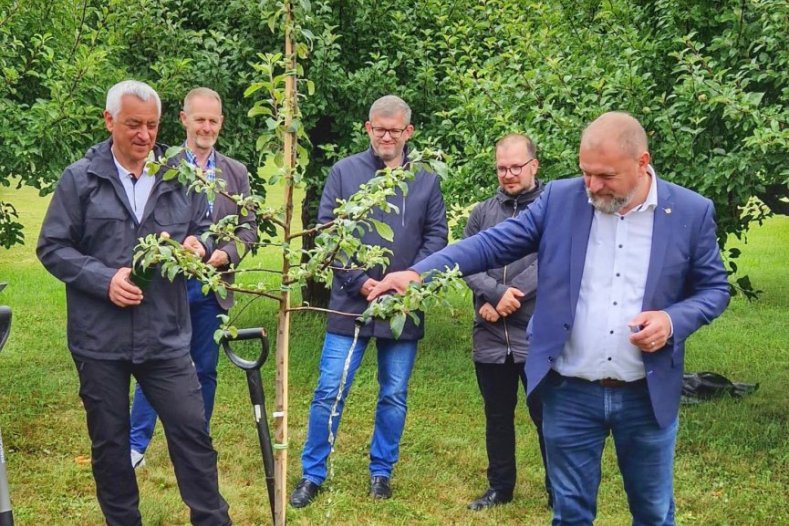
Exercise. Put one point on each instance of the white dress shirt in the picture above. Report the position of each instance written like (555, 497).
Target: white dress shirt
(612, 293)
(137, 189)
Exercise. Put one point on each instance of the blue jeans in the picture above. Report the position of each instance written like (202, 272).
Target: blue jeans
(203, 311)
(577, 417)
(395, 362)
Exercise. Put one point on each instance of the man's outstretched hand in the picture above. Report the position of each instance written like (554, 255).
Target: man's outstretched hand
(396, 281)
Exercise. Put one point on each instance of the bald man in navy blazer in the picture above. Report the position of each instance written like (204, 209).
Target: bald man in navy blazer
(629, 268)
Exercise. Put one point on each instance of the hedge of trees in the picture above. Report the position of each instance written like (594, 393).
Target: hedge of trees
(709, 80)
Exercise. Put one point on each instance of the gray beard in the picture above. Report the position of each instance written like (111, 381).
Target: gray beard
(611, 205)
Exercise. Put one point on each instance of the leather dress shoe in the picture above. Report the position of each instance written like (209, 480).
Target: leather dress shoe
(304, 493)
(489, 499)
(380, 488)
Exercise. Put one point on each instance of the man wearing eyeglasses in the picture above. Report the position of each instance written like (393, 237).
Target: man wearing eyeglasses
(419, 229)
(504, 300)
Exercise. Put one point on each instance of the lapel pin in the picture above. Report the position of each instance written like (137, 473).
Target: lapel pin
(667, 211)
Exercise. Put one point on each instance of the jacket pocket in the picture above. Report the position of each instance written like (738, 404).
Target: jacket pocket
(171, 215)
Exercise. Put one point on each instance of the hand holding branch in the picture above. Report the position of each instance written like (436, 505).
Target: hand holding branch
(395, 281)
(122, 291)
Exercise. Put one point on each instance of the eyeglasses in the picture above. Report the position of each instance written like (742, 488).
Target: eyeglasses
(394, 133)
(514, 170)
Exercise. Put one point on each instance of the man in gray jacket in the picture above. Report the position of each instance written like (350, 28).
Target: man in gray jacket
(418, 230)
(503, 304)
(202, 119)
(102, 205)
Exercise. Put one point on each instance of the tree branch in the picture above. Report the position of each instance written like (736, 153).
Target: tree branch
(319, 309)
(313, 230)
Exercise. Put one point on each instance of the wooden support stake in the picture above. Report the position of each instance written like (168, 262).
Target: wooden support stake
(283, 320)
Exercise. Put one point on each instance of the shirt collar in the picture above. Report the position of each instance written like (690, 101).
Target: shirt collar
(650, 203)
(125, 172)
(191, 158)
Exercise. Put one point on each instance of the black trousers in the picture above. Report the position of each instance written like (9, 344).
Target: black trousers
(174, 391)
(498, 384)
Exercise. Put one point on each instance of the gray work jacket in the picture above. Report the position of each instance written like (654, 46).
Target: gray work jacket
(89, 232)
(492, 342)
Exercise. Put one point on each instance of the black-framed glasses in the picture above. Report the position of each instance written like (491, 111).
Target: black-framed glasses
(515, 169)
(394, 133)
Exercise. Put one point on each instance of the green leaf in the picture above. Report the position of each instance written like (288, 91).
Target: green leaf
(384, 230)
(218, 335)
(294, 126)
(172, 151)
(397, 323)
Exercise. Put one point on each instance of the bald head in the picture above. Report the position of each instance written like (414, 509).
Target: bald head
(619, 129)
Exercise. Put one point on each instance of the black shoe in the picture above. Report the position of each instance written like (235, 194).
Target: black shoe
(304, 493)
(489, 499)
(380, 488)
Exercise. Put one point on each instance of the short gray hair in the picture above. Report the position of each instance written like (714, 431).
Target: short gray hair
(390, 105)
(141, 90)
(201, 92)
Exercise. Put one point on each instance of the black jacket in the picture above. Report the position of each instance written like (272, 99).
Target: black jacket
(419, 230)
(89, 232)
(493, 341)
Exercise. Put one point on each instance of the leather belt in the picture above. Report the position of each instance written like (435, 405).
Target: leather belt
(613, 382)
(605, 382)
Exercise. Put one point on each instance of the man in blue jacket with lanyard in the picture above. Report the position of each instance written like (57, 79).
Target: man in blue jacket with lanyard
(419, 230)
(202, 119)
(629, 269)
(102, 205)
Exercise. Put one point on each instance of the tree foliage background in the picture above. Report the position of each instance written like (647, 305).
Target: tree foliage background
(708, 79)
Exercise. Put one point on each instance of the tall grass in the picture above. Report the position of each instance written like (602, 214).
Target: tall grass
(731, 466)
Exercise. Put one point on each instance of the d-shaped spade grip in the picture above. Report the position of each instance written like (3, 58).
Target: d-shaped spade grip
(256, 396)
(246, 334)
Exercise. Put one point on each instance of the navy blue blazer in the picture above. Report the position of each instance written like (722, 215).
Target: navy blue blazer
(686, 277)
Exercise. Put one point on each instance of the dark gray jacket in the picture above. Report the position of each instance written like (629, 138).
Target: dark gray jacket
(419, 230)
(492, 342)
(89, 232)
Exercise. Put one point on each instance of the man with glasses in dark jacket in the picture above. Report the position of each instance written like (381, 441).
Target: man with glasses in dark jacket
(419, 230)
(503, 303)
(102, 205)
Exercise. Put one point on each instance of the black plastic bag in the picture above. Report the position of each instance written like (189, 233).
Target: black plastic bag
(698, 387)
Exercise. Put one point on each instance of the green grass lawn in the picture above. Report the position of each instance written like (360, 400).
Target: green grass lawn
(731, 466)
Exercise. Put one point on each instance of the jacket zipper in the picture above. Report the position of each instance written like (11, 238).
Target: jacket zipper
(504, 282)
